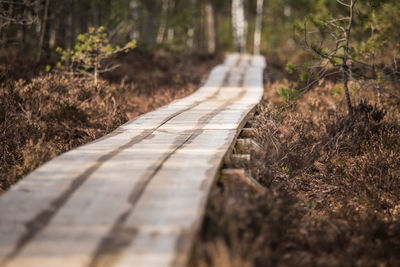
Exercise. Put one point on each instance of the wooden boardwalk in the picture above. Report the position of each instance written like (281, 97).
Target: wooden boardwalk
(137, 196)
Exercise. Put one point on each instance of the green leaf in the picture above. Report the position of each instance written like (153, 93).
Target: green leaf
(290, 68)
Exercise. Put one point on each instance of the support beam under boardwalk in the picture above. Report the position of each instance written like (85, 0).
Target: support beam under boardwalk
(137, 196)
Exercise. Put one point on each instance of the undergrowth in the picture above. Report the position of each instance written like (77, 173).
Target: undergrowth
(332, 188)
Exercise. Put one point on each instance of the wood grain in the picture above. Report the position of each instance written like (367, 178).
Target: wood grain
(137, 196)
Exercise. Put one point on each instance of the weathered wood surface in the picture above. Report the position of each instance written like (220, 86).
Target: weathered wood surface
(137, 196)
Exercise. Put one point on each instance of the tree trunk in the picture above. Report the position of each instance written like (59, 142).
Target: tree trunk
(43, 29)
(258, 29)
(173, 5)
(96, 70)
(150, 22)
(163, 23)
(198, 28)
(190, 38)
(23, 47)
(211, 33)
(69, 33)
(346, 69)
(238, 25)
(134, 6)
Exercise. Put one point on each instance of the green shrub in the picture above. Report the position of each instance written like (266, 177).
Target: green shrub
(89, 53)
(288, 94)
(290, 68)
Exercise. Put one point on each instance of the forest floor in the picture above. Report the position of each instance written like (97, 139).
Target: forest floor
(332, 186)
(45, 114)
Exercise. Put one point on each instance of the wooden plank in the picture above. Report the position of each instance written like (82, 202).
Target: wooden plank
(244, 146)
(235, 176)
(238, 160)
(136, 196)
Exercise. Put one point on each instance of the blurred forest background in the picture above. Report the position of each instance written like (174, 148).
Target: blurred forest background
(35, 28)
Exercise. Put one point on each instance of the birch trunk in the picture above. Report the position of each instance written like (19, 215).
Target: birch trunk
(239, 25)
(258, 27)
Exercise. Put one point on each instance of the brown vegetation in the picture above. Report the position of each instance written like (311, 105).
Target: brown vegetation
(332, 187)
(48, 114)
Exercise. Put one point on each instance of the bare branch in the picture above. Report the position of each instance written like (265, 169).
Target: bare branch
(344, 4)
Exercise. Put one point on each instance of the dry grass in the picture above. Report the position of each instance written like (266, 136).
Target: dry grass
(332, 188)
(43, 116)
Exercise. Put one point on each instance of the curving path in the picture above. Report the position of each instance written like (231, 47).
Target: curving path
(137, 196)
